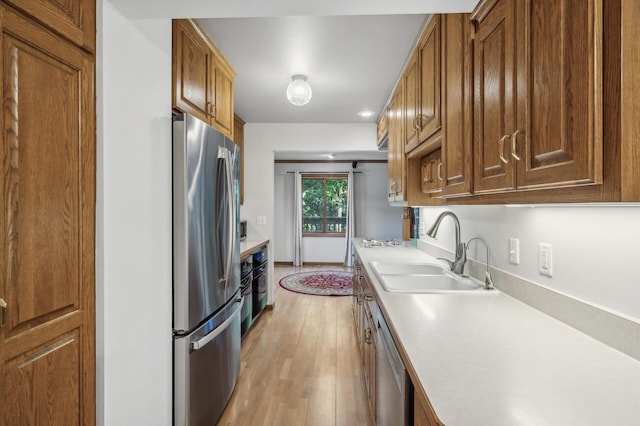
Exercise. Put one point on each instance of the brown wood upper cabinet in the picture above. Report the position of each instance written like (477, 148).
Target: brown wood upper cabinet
(396, 156)
(538, 94)
(422, 79)
(202, 78)
(238, 138)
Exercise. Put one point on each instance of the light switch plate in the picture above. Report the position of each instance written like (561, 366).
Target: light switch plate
(514, 250)
(261, 220)
(545, 259)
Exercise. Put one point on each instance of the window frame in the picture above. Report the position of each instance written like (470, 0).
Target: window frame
(324, 177)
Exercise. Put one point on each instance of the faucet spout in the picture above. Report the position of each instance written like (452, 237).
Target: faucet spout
(488, 280)
(457, 266)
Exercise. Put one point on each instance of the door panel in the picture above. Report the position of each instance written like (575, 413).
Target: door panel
(44, 187)
(55, 363)
(75, 19)
(429, 117)
(47, 353)
(192, 64)
(559, 140)
(223, 93)
(495, 96)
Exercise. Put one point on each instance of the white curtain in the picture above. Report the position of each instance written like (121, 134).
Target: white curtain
(351, 221)
(297, 219)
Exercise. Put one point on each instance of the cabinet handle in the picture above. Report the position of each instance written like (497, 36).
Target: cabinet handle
(501, 149)
(367, 336)
(3, 308)
(368, 298)
(439, 172)
(514, 140)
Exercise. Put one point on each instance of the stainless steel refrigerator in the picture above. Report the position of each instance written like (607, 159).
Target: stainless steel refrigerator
(206, 271)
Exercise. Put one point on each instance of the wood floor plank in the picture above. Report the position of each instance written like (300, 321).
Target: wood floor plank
(300, 364)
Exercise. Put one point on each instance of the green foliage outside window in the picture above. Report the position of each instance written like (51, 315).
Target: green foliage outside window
(324, 205)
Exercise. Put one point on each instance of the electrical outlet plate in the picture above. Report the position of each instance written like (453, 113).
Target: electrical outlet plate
(545, 259)
(514, 250)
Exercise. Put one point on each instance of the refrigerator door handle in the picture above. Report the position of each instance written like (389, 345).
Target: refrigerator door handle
(225, 154)
(199, 344)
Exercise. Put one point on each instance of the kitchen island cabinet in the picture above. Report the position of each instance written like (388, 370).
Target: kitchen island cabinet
(488, 359)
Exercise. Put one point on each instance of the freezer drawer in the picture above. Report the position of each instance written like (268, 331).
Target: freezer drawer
(206, 367)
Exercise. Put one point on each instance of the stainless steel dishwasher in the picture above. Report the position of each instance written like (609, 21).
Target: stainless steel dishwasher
(393, 387)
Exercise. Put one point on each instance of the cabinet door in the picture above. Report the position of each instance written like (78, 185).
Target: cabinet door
(559, 133)
(222, 113)
(429, 113)
(494, 96)
(192, 64)
(457, 145)
(432, 173)
(396, 146)
(74, 19)
(238, 138)
(411, 85)
(399, 168)
(47, 344)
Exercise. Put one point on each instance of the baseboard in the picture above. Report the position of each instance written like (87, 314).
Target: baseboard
(611, 328)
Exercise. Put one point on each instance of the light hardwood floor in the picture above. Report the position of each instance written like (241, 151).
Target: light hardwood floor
(300, 364)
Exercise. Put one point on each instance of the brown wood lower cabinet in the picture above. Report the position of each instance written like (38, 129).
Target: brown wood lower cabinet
(422, 413)
(47, 238)
(364, 310)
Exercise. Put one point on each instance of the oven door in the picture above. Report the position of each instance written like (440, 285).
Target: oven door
(206, 367)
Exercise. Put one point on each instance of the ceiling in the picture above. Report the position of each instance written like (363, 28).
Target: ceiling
(352, 51)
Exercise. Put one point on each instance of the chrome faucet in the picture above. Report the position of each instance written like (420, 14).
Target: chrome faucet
(488, 281)
(457, 266)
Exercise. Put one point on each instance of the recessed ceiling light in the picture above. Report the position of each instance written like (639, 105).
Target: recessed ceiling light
(366, 113)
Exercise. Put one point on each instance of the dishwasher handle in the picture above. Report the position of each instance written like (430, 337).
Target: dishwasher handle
(199, 344)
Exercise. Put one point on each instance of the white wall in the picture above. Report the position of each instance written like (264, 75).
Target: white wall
(374, 216)
(596, 249)
(133, 324)
(261, 140)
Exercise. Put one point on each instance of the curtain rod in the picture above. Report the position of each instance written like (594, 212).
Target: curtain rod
(325, 173)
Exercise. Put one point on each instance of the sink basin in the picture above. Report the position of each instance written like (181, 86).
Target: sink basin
(416, 277)
(429, 283)
(408, 268)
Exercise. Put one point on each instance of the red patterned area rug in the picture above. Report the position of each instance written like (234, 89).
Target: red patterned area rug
(320, 283)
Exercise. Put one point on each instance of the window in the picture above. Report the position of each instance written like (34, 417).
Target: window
(324, 205)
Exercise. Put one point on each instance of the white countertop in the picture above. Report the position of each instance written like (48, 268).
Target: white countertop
(246, 247)
(488, 359)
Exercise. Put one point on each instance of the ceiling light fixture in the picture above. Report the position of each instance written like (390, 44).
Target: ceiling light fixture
(299, 91)
(366, 113)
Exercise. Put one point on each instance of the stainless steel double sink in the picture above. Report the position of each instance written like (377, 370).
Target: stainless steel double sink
(422, 277)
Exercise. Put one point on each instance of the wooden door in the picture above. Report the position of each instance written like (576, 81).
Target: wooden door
(411, 85)
(47, 345)
(222, 113)
(192, 64)
(74, 19)
(457, 145)
(391, 152)
(494, 96)
(429, 114)
(559, 140)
